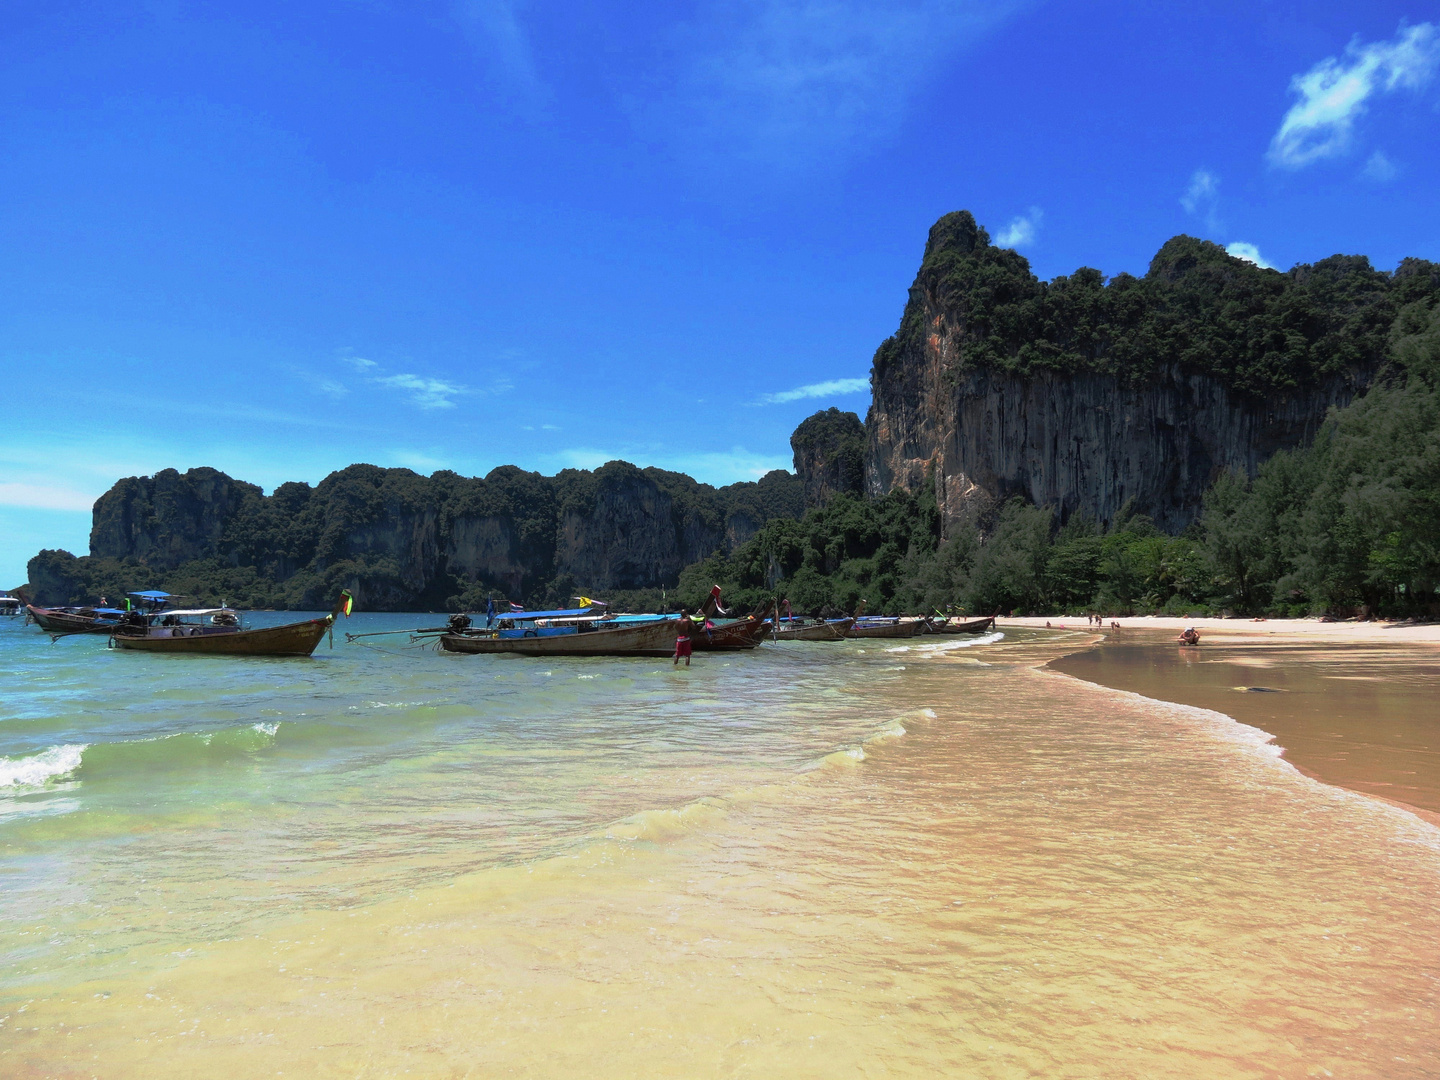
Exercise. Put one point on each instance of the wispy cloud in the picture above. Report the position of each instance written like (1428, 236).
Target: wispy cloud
(817, 390)
(360, 364)
(1250, 253)
(45, 497)
(1379, 168)
(1022, 230)
(422, 392)
(1333, 94)
(494, 29)
(1202, 198)
(789, 84)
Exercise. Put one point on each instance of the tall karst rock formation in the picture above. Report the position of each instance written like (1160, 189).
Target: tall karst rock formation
(1087, 395)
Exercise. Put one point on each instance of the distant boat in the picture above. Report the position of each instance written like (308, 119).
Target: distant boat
(218, 632)
(75, 620)
(954, 626)
(879, 626)
(818, 630)
(11, 606)
(589, 638)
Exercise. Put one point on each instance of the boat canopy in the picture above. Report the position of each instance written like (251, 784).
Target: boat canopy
(531, 616)
(151, 594)
(108, 611)
(194, 612)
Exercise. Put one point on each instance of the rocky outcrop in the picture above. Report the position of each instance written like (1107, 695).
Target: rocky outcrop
(402, 541)
(169, 518)
(1086, 395)
(829, 451)
(1082, 442)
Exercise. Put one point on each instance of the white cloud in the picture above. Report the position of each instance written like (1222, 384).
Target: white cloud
(1021, 230)
(1202, 197)
(1333, 93)
(816, 390)
(1250, 253)
(1379, 168)
(793, 83)
(424, 393)
(45, 497)
(360, 364)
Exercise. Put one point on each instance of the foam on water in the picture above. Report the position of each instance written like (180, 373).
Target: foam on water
(23, 774)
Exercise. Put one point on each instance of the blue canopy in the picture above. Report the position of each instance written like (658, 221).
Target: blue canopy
(108, 611)
(530, 616)
(151, 594)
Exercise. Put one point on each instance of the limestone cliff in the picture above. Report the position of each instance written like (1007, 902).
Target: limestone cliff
(829, 449)
(401, 541)
(1087, 395)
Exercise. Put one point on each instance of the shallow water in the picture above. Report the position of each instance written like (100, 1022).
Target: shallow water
(813, 860)
(1365, 716)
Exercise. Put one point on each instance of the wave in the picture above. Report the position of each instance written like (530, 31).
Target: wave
(24, 774)
(950, 646)
(82, 761)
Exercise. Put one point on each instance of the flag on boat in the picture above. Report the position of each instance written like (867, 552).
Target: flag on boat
(514, 607)
(490, 611)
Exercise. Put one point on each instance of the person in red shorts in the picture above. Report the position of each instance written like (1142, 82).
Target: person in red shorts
(682, 639)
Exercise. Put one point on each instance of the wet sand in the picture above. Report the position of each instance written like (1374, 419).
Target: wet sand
(1359, 714)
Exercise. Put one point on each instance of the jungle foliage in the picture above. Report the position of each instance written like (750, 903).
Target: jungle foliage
(1197, 307)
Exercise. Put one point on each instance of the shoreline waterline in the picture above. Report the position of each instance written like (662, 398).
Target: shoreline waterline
(1361, 714)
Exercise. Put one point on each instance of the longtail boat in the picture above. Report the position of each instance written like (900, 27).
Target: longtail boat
(656, 638)
(884, 627)
(952, 626)
(75, 620)
(746, 633)
(217, 632)
(820, 630)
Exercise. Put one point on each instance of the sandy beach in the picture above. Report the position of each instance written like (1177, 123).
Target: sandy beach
(1374, 632)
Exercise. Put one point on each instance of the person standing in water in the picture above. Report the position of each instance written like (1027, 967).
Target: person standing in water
(682, 639)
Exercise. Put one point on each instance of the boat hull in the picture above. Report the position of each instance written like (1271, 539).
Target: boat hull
(886, 630)
(647, 639)
(292, 639)
(974, 626)
(744, 634)
(825, 631)
(65, 622)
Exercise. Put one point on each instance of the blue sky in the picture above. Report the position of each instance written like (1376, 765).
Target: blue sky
(464, 233)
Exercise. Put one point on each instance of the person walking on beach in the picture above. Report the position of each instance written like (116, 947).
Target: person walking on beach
(682, 639)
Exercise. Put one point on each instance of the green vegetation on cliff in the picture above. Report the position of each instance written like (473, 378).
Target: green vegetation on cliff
(1198, 308)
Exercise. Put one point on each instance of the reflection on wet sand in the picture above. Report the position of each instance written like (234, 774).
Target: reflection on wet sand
(1366, 717)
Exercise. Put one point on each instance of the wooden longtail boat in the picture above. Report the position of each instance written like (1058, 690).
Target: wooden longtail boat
(744, 633)
(951, 626)
(637, 639)
(75, 620)
(816, 631)
(292, 639)
(885, 628)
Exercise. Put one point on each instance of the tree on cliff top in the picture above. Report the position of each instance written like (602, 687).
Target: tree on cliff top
(1197, 307)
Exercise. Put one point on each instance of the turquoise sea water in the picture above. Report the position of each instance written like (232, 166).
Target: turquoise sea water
(145, 797)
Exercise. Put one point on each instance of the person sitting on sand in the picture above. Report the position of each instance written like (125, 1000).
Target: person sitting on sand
(682, 639)
(1189, 636)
